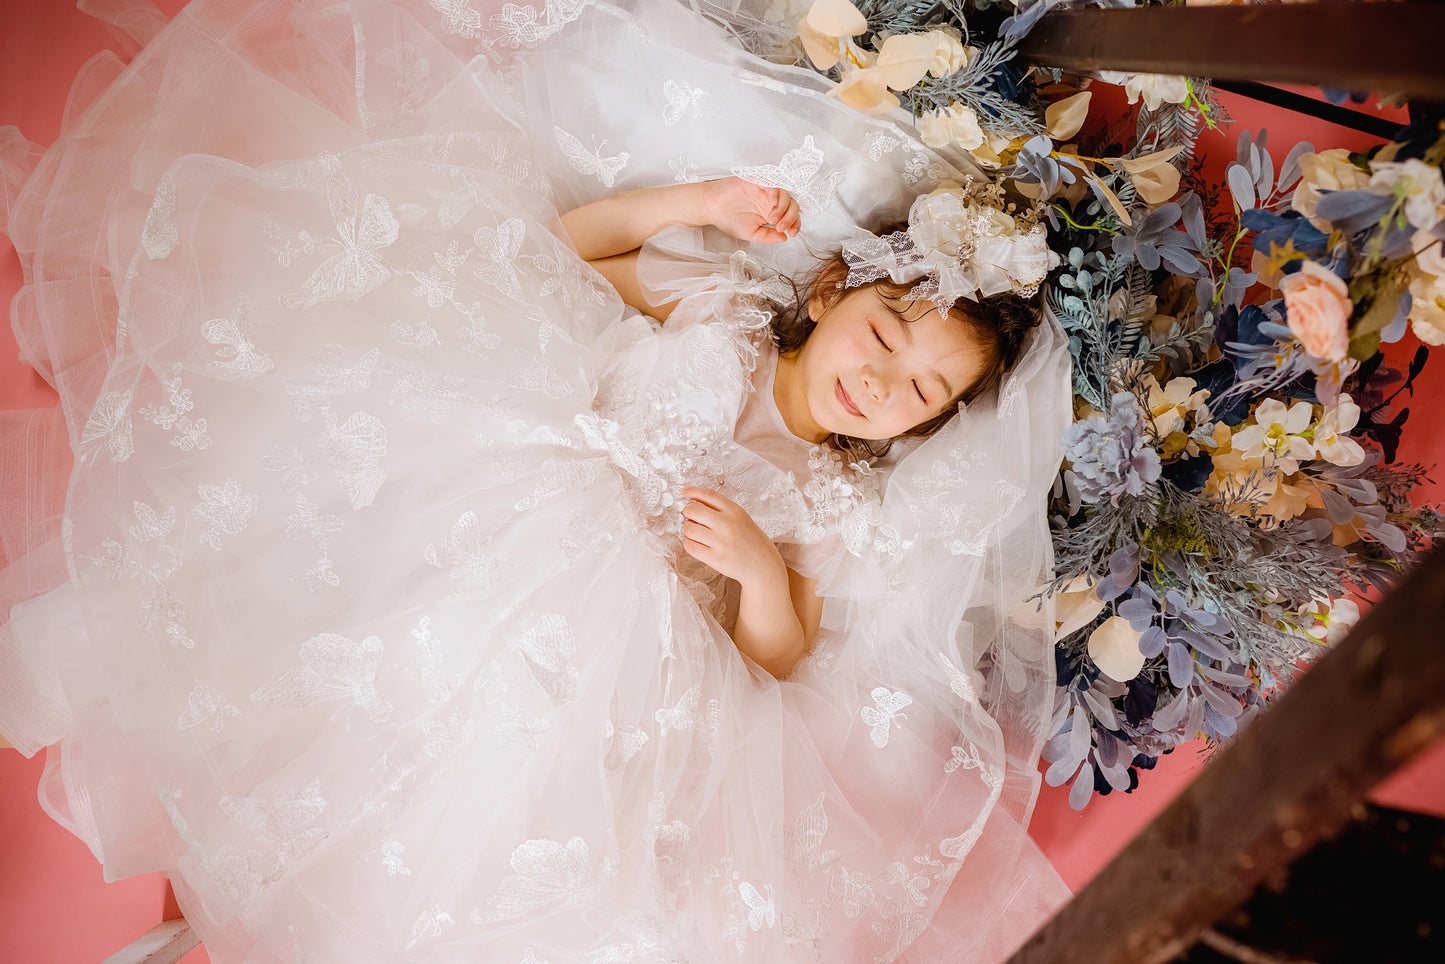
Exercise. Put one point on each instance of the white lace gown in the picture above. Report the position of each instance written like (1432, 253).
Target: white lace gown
(367, 620)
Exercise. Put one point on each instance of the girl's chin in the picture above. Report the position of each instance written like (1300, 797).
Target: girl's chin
(851, 429)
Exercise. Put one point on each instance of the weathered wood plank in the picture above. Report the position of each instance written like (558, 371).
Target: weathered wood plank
(1354, 46)
(1290, 780)
(165, 943)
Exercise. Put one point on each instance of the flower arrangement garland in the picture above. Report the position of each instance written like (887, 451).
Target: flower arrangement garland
(1230, 479)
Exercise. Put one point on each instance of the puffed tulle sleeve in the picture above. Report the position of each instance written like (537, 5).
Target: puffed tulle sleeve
(360, 609)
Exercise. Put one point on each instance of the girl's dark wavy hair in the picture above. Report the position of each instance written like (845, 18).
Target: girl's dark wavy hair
(1000, 323)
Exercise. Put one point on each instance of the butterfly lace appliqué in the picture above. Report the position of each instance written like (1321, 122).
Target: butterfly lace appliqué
(240, 358)
(545, 872)
(110, 422)
(205, 707)
(886, 710)
(362, 231)
(682, 100)
(585, 161)
(332, 668)
(286, 828)
(160, 237)
(801, 173)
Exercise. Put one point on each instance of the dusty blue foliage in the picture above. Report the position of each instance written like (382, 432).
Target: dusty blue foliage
(1156, 240)
(1036, 165)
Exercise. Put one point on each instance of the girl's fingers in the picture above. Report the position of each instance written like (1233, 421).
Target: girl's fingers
(700, 550)
(695, 532)
(780, 199)
(709, 498)
(792, 218)
(784, 219)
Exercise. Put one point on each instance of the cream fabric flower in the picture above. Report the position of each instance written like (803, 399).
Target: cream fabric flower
(1332, 439)
(1275, 433)
(1253, 488)
(1427, 309)
(1343, 615)
(949, 53)
(1427, 290)
(1170, 405)
(1423, 189)
(1231, 467)
(955, 247)
(1329, 170)
(1156, 89)
(1429, 254)
(1285, 502)
(956, 124)
(1327, 621)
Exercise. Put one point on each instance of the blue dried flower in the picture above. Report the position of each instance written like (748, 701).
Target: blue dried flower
(1111, 456)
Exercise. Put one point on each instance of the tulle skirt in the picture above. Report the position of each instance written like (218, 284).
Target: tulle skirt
(339, 626)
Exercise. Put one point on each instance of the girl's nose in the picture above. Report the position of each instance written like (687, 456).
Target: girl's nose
(874, 385)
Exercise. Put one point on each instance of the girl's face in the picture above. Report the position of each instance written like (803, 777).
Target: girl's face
(873, 367)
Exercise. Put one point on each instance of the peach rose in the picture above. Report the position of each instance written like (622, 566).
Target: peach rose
(1318, 306)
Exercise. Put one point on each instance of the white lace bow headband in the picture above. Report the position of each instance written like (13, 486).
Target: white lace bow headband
(960, 246)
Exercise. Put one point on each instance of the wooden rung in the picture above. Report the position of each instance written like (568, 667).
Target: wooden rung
(1291, 779)
(1382, 47)
(165, 943)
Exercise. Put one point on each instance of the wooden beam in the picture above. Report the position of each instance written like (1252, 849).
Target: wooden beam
(1383, 47)
(1290, 779)
(165, 943)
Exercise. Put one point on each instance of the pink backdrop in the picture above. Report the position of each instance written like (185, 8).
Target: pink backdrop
(54, 902)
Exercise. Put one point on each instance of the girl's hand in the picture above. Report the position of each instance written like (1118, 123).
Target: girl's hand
(720, 533)
(748, 212)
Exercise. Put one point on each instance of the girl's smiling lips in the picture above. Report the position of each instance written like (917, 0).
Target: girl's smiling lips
(845, 401)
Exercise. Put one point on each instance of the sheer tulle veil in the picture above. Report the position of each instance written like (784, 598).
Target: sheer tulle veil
(903, 760)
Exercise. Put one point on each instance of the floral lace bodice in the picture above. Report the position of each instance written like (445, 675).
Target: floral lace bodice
(690, 403)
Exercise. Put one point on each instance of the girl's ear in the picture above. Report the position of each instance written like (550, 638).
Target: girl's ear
(827, 289)
(816, 303)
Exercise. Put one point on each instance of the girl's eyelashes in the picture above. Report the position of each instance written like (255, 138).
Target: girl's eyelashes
(880, 341)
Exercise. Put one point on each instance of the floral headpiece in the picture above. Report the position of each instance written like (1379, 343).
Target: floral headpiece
(956, 246)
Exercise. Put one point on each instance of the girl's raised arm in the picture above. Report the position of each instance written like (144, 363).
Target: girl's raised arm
(608, 233)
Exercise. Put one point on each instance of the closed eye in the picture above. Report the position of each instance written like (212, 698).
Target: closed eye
(920, 393)
(880, 339)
